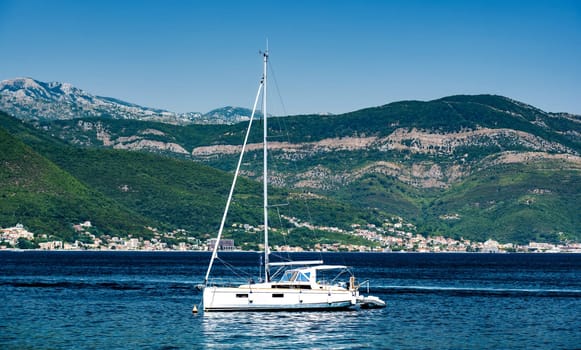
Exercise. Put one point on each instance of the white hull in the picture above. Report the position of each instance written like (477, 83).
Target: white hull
(266, 297)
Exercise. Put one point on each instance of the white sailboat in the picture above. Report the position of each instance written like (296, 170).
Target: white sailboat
(297, 285)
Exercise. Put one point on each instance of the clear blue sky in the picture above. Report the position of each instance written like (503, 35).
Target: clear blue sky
(328, 56)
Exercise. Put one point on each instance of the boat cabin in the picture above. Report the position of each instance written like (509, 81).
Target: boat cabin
(315, 277)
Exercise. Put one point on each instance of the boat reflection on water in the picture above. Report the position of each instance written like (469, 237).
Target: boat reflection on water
(294, 330)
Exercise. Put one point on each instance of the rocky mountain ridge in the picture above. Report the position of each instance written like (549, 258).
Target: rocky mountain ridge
(423, 154)
(29, 99)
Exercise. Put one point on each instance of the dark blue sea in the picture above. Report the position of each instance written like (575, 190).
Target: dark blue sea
(141, 300)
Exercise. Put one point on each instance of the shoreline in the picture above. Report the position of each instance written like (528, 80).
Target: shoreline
(17, 250)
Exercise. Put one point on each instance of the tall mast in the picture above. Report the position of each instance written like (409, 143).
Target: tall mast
(231, 193)
(265, 173)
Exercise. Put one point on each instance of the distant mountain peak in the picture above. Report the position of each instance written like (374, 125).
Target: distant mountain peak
(29, 99)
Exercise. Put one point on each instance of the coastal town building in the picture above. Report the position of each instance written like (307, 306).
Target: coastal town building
(225, 244)
(12, 234)
(392, 236)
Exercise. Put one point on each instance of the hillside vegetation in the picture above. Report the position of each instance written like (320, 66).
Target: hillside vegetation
(35, 191)
(477, 167)
(105, 186)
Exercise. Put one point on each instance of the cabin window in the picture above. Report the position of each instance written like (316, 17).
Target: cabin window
(304, 277)
(289, 276)
(241, 295)
(296, 276)
(286, 277)
(278, 295)
(292, 286)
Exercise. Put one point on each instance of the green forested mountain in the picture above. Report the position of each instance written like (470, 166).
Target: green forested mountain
(123, 192)
(36, 192)
(476, 167)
